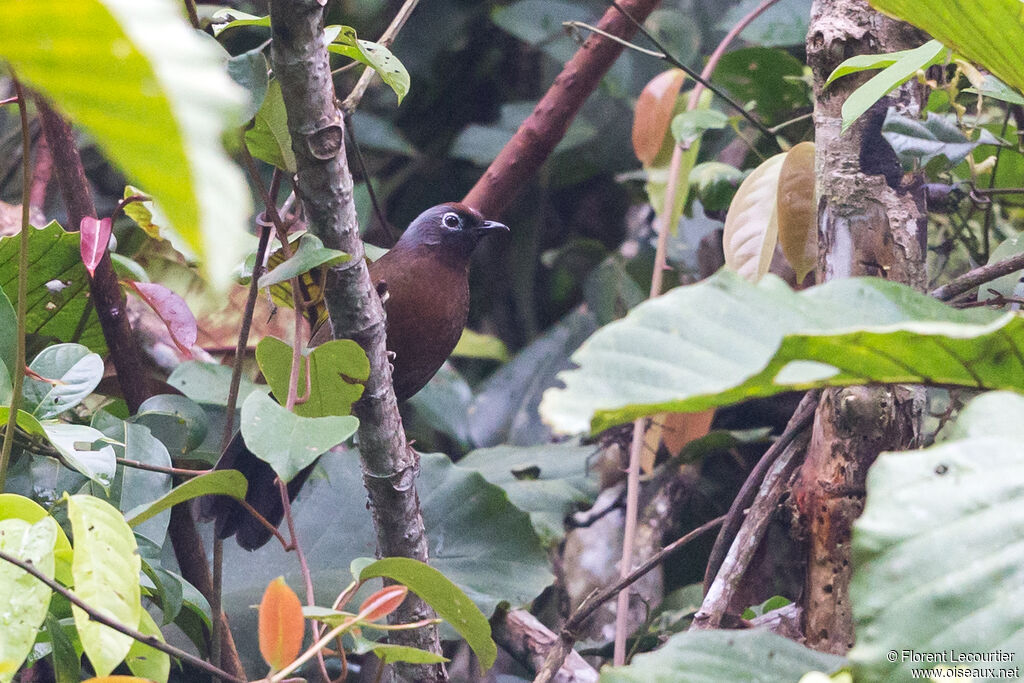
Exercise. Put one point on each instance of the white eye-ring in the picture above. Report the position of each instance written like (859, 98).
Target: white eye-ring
(451, 220)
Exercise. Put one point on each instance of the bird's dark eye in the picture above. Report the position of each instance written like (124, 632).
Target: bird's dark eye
(451, 220)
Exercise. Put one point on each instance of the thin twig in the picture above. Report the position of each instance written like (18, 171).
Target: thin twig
(102, 618)
(610, 36)
(978, 276)
(17, 372)
(592, 602)
(351, 102)
(377, 209)
(179, 471)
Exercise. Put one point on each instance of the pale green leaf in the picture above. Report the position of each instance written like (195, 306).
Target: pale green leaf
(144, 660)
(338, 369)
(752, 224)
(24, 599)
(286, 441)
(374, 55)
(73, 372)
(724, 340)
(222, 482)
(106, 570)
(938, 553)
(310, 254)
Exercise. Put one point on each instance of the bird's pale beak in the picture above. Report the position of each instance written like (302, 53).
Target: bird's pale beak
(488, 227)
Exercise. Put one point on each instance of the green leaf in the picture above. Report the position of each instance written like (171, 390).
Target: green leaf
(178, 421)
(890, 78)
(537, 21)
(690, 125)
(338, 368)
(106, 571)
(548, 482)
(286, 441)
(989, 33)
(389, 653)
(13, 506)
(144, 660)
(698, 656)
(24, 599)
(938, 553)
(769, 77)
(58, 285)
(310, 254)
(784, 24)
(373, 55)
(227, 18)
(724, 340)
(859, 63)
(268, 139)
(918, 142)
(222, 483)
(134, 487)
(208, 382)
(249, 70)
(997, 90)
(715, 184)
(77, 449)
(160, 121)
(450, 603)
(67, 662)
(74, 372)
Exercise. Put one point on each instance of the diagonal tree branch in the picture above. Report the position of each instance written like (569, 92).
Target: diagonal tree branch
(316, 125)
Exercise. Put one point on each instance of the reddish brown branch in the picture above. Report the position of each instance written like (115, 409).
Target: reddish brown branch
(546, 126)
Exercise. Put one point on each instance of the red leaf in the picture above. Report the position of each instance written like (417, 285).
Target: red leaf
(95, 236)
(281, 626)
(382, 603)
(173, 310)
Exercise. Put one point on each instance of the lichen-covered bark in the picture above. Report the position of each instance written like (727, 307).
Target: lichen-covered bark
(301, 65)
(870, 222)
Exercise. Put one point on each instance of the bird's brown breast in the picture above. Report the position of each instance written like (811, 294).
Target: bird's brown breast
(427, 304)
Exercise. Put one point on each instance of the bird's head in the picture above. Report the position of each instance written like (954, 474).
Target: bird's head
(454, 228)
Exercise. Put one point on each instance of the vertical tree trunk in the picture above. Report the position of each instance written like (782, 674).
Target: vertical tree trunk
(868, 224)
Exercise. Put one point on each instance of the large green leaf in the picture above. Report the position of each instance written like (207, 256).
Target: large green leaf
(160, 120)
(337, 369)
(988, 32)
(222, 482)
(57, 286)
(106, 570)
(939, 552)
(752, 655)
(548, 482)
(725, 340)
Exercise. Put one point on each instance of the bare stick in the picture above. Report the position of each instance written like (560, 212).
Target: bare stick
(978, 276)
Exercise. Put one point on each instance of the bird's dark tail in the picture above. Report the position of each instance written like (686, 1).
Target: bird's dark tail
(234, 520)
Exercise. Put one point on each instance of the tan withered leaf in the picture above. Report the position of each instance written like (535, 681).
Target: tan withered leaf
(654, 110)
(798, 213)
(751, 226)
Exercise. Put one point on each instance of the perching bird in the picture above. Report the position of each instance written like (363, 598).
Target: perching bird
(425, 278)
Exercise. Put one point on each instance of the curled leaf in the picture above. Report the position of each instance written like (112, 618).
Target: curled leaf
(281, 626)
(654, 110)
(173, 310)
(751, 226)
(382, 603)
(95, 237)
(798, 214)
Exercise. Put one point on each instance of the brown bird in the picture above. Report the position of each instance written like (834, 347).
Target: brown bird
(426, 280)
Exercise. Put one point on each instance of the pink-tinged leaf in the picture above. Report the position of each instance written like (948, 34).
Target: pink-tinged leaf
(95, 234)
(382, 603)
(173, 310)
